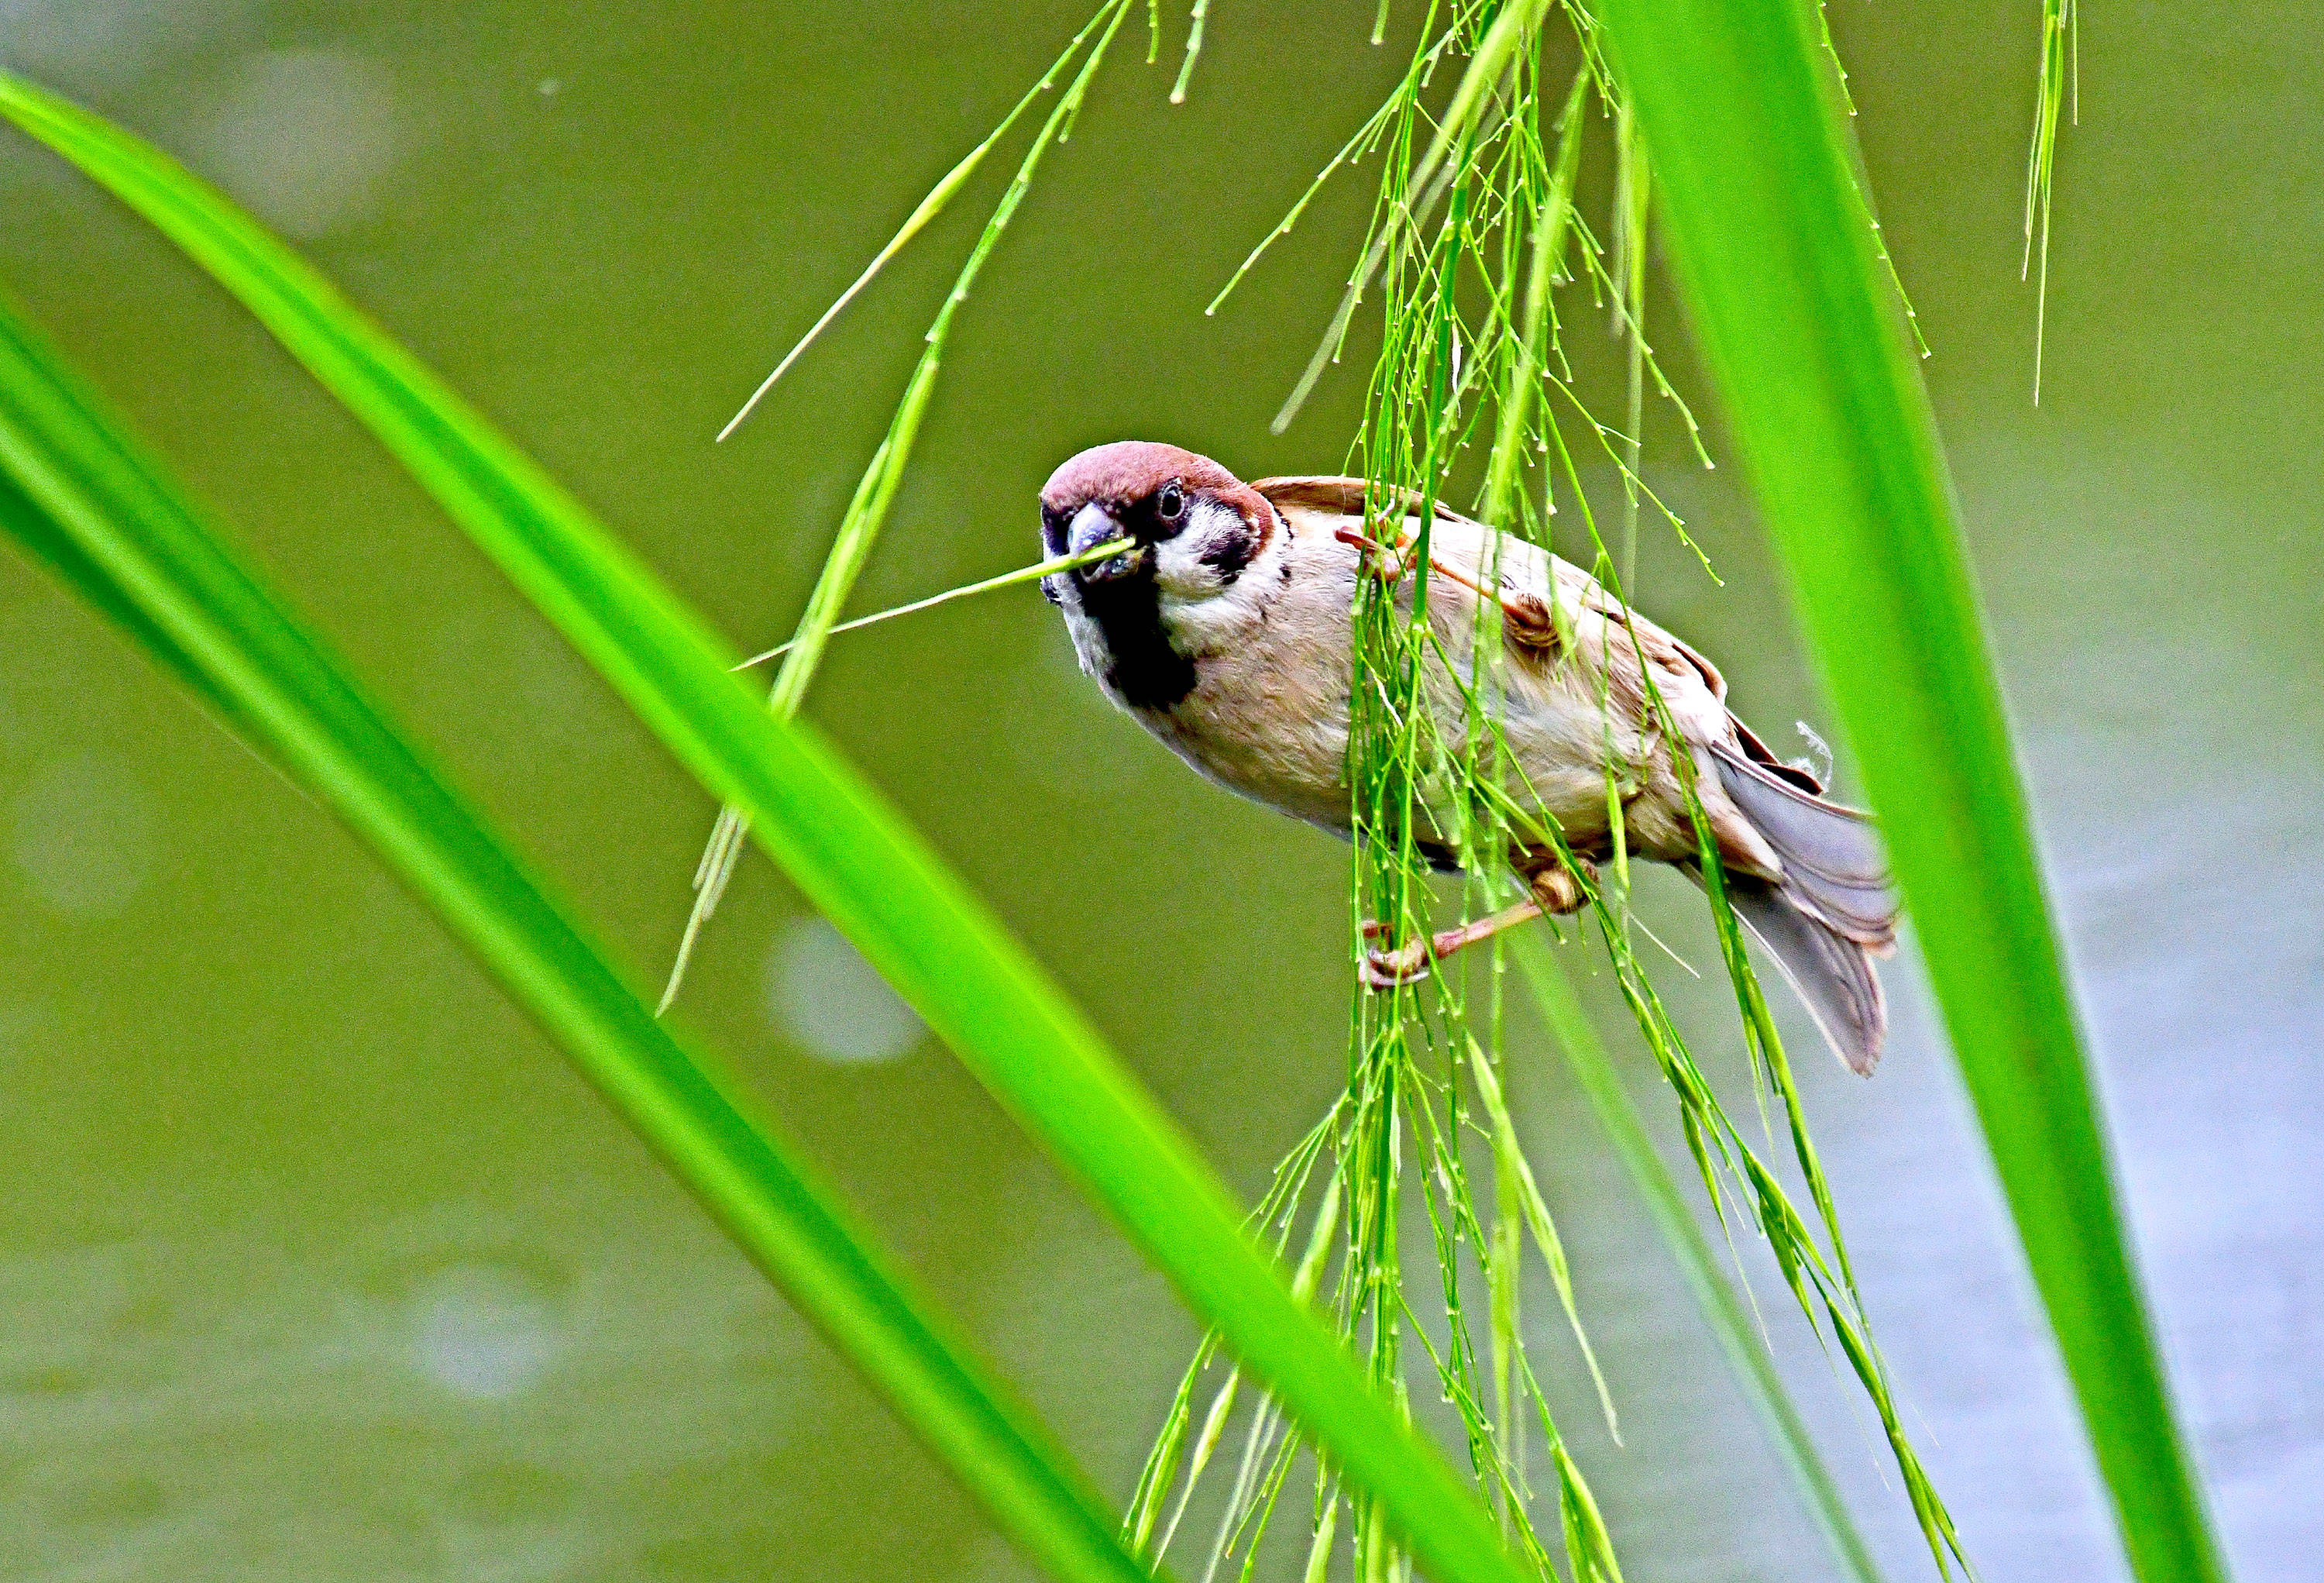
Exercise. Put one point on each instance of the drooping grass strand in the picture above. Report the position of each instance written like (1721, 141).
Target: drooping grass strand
(867, 511)
(2058, 92)
(1465, 193)
(1196, 24)
(929, 208)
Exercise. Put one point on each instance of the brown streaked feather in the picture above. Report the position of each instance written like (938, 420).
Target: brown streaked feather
(1347, 496)
(1334, 493)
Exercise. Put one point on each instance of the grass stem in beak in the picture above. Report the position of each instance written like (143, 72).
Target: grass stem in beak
(1023, 574)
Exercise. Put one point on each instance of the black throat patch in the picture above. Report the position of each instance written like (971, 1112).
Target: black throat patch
(1142, 667)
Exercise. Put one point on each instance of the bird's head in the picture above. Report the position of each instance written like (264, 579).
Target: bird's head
(1195, 531)
(1195, 527)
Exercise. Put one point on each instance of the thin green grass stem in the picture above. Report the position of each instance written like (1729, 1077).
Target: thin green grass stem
(1730, 1320)
(1007, 579)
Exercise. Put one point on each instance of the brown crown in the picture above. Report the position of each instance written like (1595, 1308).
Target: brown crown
(1129, 470)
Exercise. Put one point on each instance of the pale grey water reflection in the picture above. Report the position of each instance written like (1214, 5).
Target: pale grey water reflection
(315, 1263)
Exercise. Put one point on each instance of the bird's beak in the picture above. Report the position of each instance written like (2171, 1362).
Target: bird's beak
(1093, 526)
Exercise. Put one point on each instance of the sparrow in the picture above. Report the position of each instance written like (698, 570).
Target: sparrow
(1226, 630)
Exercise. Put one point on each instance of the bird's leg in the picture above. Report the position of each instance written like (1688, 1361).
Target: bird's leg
(1408, 963)
(1555, 890)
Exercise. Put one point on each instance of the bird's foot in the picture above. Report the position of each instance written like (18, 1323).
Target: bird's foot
(1389, 967)
(1560, 891)
(1393, 968)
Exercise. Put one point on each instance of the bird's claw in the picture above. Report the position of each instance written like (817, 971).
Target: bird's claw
(1562, 892)
(1397, 969)
(1393, 968)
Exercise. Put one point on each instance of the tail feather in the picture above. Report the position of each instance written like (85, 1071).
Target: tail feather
(1831, 855)
(1831, 974)
(1831, 912)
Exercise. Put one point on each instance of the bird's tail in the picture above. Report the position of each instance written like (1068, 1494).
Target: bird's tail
(1831, 913)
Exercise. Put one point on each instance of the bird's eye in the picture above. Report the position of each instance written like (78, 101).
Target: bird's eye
(1172, 505)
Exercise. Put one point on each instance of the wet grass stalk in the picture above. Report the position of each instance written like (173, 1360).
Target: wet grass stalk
(1737, 1326)
(867, 511)
(2057, 94)
(1473, 232)
(1787, 299)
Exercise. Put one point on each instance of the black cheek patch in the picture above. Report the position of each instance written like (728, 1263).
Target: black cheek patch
(1228, 553)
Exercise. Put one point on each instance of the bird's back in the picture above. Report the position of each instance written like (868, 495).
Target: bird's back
(1268, 714)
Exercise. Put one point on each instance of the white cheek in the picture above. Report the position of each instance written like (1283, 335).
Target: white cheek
(1223, 615)
(1180, 572)
(1179, 575)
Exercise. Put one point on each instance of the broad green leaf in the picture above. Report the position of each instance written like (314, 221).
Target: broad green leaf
(852, 855)
(1776, 258)
(82, 500)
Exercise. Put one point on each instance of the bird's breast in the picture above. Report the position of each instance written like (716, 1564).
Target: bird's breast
(1270, 724)
(1266, 715)
(1123, 642)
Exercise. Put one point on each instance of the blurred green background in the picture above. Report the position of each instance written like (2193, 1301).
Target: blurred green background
(315, 1261)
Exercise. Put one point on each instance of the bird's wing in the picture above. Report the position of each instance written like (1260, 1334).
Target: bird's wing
(1317, 491)
(1619, 639)
(1665, 650)
(1609, 635)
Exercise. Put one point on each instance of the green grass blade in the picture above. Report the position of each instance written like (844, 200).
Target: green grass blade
(852, 855)
(79, 500)
(44, 541)
(1775, 259)
(1729, 1321)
